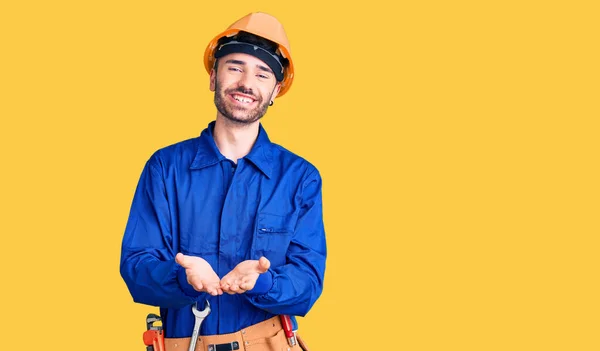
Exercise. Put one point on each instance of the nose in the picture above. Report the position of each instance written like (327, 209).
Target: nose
(246, 82)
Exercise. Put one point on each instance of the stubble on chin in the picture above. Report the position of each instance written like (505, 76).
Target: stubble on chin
(231, 112)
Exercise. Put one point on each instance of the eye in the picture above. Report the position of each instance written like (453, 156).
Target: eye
(234, 69)
(263, 76)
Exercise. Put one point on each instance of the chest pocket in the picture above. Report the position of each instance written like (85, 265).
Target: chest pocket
(272, 237)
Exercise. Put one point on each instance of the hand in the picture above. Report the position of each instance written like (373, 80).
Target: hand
(199, 274)
(243, 277)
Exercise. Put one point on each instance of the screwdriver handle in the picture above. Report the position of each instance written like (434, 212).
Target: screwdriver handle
(286, 323)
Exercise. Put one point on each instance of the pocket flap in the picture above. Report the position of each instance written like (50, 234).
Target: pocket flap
(271, 223)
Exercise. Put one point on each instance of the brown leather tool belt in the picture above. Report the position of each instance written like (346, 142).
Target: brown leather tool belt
(263, 336)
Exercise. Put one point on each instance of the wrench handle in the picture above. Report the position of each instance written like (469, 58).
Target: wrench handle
(195, 333)
(159, 343)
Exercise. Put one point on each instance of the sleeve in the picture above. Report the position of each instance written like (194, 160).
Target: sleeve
(147, 263)
(296, 286)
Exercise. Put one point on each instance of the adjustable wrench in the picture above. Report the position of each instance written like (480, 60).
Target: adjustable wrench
(200, 315)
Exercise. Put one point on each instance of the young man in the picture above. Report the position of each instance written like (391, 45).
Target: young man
(229, 217)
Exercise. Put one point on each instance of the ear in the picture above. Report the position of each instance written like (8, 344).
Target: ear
(213, 78)
(276, 91)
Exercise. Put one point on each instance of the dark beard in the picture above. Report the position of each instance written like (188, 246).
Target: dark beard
(228, 111)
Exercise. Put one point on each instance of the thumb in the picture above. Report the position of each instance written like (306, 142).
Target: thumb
(183, 260)
(263, 264)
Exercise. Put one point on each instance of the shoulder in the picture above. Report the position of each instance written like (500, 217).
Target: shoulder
(292, 161)
(176, 153)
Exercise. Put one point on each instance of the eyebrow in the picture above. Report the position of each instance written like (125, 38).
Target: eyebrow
(243, 63)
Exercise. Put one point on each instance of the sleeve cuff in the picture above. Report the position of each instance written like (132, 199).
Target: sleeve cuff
(185, 286)
(263, 284)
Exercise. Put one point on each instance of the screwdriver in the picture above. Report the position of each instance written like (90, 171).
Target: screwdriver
(286, 323)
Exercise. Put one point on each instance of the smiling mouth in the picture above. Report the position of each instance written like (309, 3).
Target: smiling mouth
(242, 99)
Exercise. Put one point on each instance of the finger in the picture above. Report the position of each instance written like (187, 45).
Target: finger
(246, 282)
(263, 264)
(212, 290)
(236, 289)
(227, 289)
(183, 260)
(226, 281)
(215, 284)
(196, 283)
(209, 288)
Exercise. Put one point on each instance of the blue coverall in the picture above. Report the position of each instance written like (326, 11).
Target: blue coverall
(191, 199)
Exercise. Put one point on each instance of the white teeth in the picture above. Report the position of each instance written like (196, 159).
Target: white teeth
(242, 99)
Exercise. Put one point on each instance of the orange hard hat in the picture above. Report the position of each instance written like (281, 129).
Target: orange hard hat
(262, 25)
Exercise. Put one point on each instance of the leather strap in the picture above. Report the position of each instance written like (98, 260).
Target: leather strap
(263, 336)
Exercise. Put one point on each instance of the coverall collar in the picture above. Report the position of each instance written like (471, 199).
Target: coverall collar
(208, 154)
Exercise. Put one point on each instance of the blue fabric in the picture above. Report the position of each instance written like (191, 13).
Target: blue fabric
(191, 199)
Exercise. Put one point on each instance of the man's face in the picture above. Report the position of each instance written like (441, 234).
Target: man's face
(244, 86)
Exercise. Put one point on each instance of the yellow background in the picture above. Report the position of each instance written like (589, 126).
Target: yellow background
(458, 142)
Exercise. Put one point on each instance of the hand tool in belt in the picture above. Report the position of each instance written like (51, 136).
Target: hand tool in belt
(286, 323)
(200, 315)
(153, 336)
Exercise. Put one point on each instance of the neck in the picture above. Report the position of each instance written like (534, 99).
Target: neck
(233, 140)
